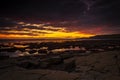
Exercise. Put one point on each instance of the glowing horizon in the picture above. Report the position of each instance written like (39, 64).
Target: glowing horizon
(27, 30)
(59, 18)
(71, 35)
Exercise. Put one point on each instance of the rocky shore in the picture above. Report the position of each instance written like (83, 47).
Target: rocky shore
(96, 66)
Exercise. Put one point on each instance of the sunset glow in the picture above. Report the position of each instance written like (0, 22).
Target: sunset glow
(66, 19)
(41, 31)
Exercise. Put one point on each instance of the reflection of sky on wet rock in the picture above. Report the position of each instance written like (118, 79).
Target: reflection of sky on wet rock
(14, 49)
(67, 49)
(21, 46)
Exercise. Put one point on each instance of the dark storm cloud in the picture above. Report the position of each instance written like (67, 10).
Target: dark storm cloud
(72, 14)
(17, 33)
(40, 28)
(32, 27)
(108, 10)
(8, 26)
(61, 9)
(51, 9)
(5, 22)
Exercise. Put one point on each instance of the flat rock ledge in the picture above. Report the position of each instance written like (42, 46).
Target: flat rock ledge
(97, 66)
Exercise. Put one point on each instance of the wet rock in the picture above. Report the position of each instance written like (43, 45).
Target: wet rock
(69, 64)
(43, 65)
(83, 69)
(60, 75)
(42, 51)
(32, 51)
(55, 60)
(46, 63)
(27, 64)
(3, 57)
(65, 56)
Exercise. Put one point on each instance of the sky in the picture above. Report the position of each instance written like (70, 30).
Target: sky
(58, 18)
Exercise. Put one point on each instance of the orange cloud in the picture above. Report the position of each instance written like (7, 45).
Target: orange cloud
(41, 31)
